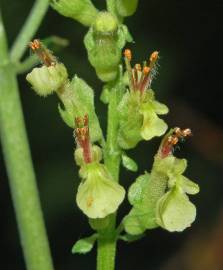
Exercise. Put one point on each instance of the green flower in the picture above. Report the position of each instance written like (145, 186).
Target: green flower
(159, 198)
(98, 194)
(47, 79)
(139, 118)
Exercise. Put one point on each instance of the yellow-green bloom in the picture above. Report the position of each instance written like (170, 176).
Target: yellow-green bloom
(159, 198)
(138, 109)
(139, 118)
(98, 194)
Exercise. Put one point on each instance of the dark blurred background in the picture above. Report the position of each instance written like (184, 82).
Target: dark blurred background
(187, 35)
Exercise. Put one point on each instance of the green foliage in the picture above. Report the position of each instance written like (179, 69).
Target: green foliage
(84, 245)
(78, 100)
(129, 163)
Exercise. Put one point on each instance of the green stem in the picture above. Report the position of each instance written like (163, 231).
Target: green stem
(20, 168)
(29, 29)
(107, 239)
(27, 64)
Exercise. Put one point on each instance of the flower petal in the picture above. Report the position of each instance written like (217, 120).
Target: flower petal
(174, 211)
(99, 196)
(152, 125)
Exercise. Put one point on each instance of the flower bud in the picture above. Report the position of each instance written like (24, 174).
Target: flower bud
(126, 7)
(104, 42)
(105, 24)
(98, 194)
(80, 10)
(47, 79)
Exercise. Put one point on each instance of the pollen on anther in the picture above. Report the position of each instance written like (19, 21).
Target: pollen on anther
(146, 70)
(128, 54)
(154, 56)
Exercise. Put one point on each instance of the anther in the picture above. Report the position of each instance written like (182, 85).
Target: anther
(128, 54)
(154, 56)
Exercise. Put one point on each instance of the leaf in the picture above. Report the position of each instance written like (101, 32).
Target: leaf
(131, 238)
(84, 245)
(129, 163)
(66, 116)
(136, 189)
(78, 100)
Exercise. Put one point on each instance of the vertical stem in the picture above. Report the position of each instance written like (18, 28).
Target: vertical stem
(107, 239)
(20, 168)
(30, 27)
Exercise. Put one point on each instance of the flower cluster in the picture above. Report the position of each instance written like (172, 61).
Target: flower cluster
(139, 109)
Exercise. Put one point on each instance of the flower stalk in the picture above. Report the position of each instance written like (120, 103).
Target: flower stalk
(20, 168)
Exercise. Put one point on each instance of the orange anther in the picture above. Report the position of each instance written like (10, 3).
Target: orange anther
(128, 54)
(187, 132)
(146, 70)
(154, 56)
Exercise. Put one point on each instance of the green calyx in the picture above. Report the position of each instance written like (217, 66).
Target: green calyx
(46, 80)
(96, 155)
(82, 11)
(139, 118)
(98, 194)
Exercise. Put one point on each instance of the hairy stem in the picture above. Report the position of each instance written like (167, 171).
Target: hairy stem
(107, 239)
(20, 168)
(29, 29)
